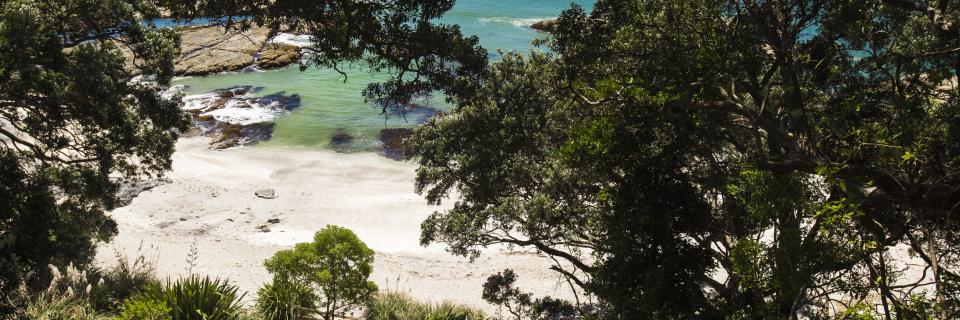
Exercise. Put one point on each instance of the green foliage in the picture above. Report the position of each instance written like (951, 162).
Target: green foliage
(279, 301)
(121, 281)
(335, 268)
(192, 298)
(142, 308)
(74, 124)
(715, 159)
(499, 290)
(400, 306)
(860, 311)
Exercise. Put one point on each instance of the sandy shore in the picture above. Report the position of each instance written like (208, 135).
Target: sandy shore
(210, 205)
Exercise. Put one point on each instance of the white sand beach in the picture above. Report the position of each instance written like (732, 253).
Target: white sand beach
(211, 205)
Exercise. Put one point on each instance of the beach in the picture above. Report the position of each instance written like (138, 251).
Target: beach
(211, 207)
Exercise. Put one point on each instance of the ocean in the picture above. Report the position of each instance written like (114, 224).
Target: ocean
(330, 107)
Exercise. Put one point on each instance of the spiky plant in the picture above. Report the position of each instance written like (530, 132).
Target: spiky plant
(278, 301)
(196, 298)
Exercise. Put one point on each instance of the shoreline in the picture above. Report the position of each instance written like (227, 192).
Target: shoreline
(211, 205)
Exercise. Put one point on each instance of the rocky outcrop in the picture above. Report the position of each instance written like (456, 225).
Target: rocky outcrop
(392, 140)
(278, 55)
(549, 25)
(212, 49)
(236, 116)
(131, 189)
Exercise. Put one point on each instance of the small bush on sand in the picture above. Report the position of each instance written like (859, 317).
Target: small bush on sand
(284, 302)
(194, 298)
(399, 306)
(336, 265)
(122, 281)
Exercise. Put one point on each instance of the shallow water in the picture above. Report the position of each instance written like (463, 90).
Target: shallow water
(330, 106)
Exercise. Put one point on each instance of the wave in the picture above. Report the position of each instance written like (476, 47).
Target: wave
(516, 22)
(239, 106)
(298, 40)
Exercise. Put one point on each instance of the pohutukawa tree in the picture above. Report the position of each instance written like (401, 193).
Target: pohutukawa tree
(73, 122)
(720, 159)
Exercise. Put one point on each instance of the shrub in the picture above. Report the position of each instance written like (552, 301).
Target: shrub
(399, 306)
(280, 302)
(336, 263)
(122, 281)
(143, 308)
(451, 311)
(195, 298)
(65, 298)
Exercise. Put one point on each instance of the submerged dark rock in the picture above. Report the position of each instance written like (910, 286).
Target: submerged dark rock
(393, 142)
(340, 141)
(416, 113)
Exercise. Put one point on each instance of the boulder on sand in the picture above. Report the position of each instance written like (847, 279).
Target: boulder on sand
(266, 193)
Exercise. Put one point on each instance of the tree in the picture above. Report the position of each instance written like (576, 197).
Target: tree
(333, 271)
(74, 122)
(717, 159)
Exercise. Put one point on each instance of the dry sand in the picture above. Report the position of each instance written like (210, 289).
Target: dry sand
(210, 205)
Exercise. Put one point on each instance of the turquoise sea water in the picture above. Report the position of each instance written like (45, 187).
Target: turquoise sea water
(328, 105)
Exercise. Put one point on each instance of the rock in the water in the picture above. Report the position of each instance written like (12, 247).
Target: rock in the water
(237, 116)
(278, 55)
(413, 112)
(340, 140)
(266, 193)
(130, 190)
(392, 139)
(232, 135)
(274, 221)
(549, 25)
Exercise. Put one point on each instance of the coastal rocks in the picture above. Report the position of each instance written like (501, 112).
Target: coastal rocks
(130, 190)
(549, 25)
(212, 49)
(230, 135)
(392, 139)
(278, 55)
(266, 193)
(236, 116)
